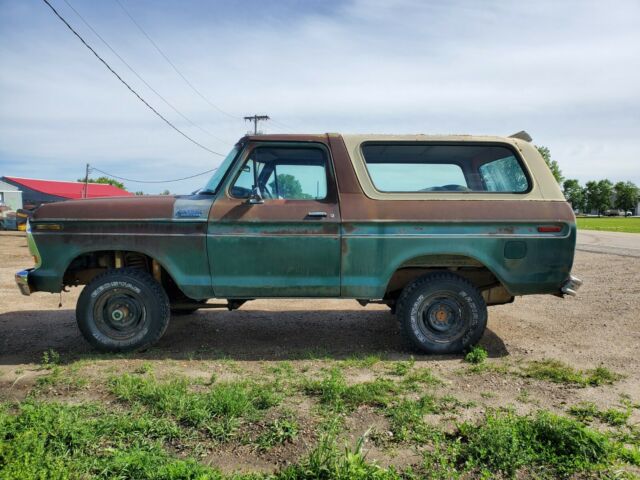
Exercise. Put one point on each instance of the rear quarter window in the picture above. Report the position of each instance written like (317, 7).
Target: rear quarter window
(395, 167)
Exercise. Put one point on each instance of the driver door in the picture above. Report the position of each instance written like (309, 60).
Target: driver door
(274, 230)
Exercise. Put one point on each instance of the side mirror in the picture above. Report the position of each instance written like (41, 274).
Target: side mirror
(256, 197)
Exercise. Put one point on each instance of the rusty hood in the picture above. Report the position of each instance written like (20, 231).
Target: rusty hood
(141, 207)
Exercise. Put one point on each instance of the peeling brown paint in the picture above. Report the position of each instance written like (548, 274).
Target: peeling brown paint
(123, 208)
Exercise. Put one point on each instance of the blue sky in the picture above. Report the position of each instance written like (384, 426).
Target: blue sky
(567, 72)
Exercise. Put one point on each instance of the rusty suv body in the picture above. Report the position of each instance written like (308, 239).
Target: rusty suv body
(436, 227)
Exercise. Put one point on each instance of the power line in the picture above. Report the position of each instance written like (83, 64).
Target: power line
(173, 65)
(126, 84)
(151, 181)
(132, 70)
(282, 125)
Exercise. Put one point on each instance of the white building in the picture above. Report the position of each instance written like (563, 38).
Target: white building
(10, 196)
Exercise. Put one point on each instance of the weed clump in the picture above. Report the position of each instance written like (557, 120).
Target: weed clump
(335, 394)
(477, 355)
(559, 372)
(327, 462)
(588, 411)
(217, 410)
(505, 443)
(401, 368)
(51, 440)
(278, 432)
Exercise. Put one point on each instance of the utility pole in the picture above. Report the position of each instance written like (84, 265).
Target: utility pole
(86, 182)
(255, 119)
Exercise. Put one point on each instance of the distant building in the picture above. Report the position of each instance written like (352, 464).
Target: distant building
(10, 195)
(36, 192)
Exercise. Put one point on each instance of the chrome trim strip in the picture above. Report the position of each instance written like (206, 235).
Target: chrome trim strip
(127, 220)
(450, 235)
(311, 234)
(120, 234)
(266, 234)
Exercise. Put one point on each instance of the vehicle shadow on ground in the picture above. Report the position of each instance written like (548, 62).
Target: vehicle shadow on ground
(241, 334)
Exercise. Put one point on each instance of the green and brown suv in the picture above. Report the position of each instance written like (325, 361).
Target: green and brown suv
(436, 227)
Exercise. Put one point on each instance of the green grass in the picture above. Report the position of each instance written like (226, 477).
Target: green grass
(61, 379)
(559, 372)
(476, 355)
(218, 410)
(587, 411)
(50, 440)
(47, 440)
(278, 432)
(150, 435)
(505, 443)
(335, 394)
(610, 224)
(361, 361)
(401, 368)
(406, 419)
(164, 427)
(418, 378)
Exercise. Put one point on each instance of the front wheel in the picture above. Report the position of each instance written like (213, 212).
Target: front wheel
(123, 310)
(442, 313)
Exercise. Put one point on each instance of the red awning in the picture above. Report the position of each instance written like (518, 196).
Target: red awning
(71, 190)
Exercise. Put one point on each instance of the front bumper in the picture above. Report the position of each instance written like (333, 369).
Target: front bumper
(22, 281)
(571, 286)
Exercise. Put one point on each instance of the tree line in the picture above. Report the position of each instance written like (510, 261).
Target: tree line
(601, 195)
(596, 195)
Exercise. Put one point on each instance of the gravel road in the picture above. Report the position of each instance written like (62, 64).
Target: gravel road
(616, 243)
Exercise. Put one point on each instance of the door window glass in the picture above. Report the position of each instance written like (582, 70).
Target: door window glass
(290, 173)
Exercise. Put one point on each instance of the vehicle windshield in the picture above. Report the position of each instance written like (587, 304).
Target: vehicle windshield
(214, 182)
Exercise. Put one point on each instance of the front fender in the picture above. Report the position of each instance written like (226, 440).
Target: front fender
(178, 246)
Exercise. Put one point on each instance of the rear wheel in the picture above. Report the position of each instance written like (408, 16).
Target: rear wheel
(123, 310)
(442, 313)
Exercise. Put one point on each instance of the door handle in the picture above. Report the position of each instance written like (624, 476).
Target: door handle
(317, 214)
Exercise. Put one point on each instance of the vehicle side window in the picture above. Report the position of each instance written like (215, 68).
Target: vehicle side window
(290, 173)
(443, 168)
(504, 175)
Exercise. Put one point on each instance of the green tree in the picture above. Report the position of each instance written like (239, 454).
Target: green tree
(553, 165)
(598, 195)
(574, 193)
(627, 195)
(106, 180)
(288, 186)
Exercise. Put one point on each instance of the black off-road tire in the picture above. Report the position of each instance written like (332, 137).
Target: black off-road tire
(441, 313)
(123, 310)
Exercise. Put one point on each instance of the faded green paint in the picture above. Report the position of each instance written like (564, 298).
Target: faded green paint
(373, 251)
(274, 259)
(176, 245)
(293, 259)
